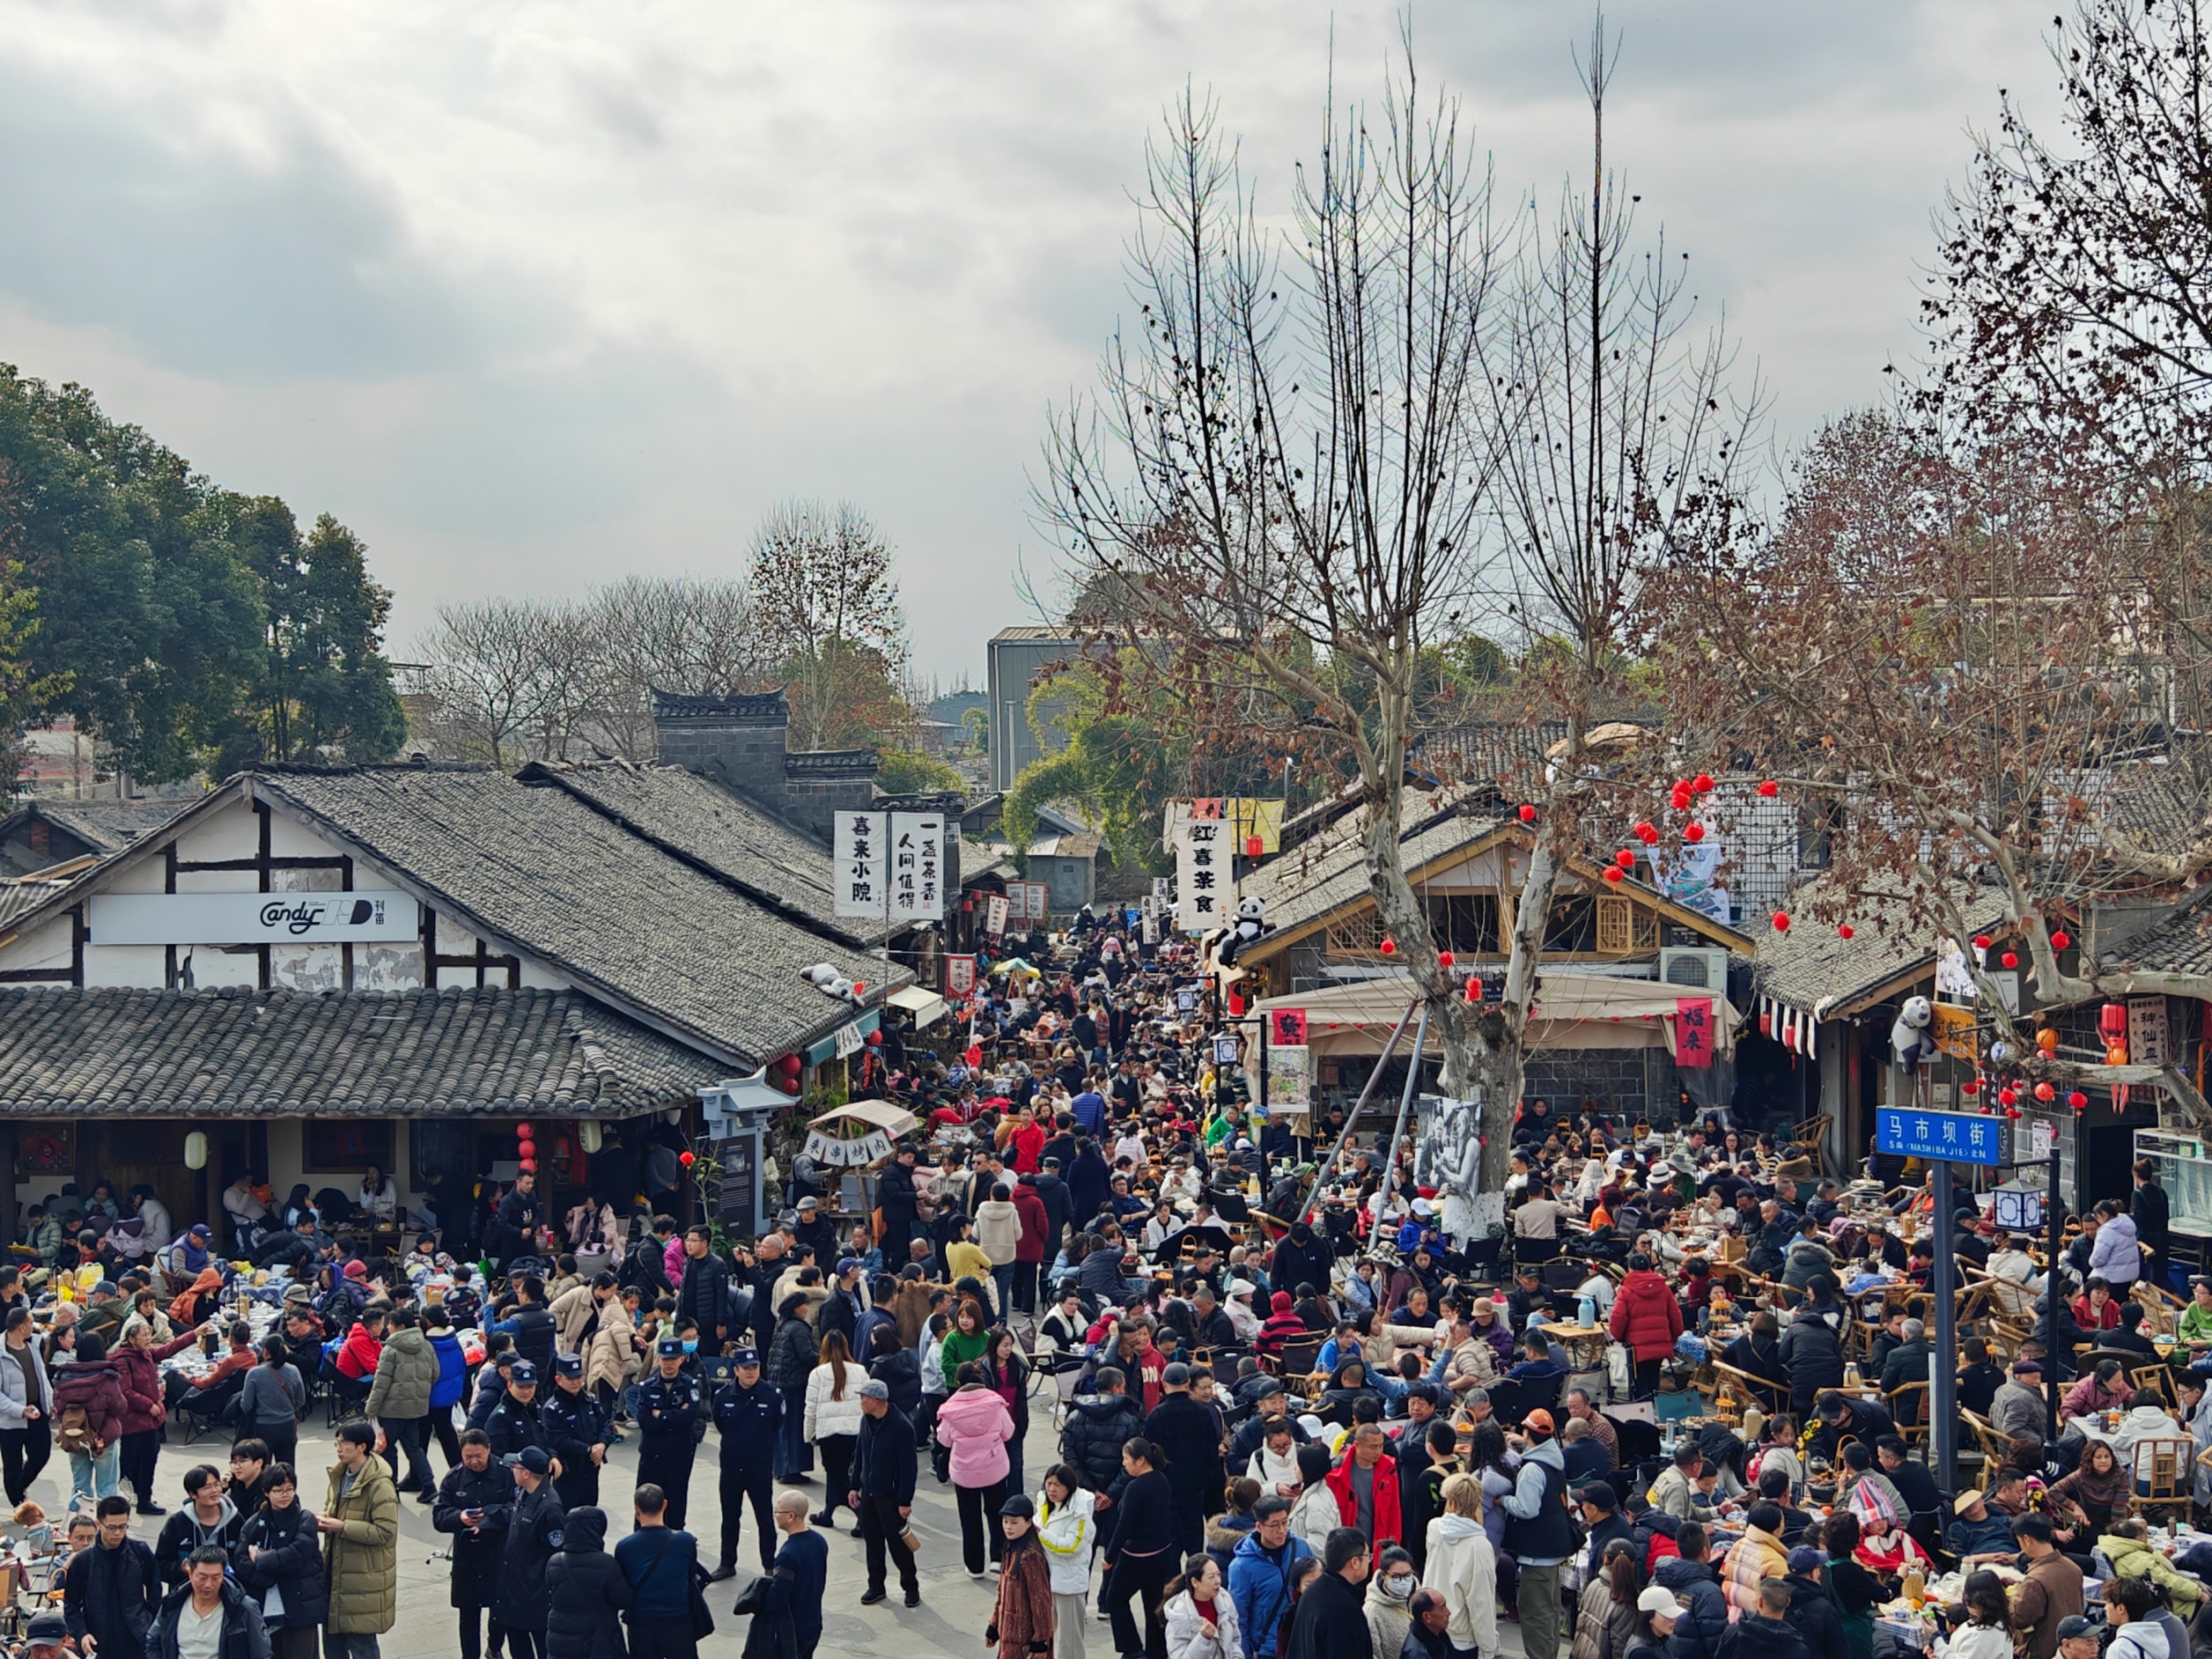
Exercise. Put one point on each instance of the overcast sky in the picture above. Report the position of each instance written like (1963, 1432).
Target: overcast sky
(536, 295)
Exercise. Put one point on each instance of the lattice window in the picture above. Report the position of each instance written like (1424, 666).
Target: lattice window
(1358, 934)
(1625, 927)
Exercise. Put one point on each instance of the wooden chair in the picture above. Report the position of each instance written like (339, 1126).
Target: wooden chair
(2163, 1469)
(2158, 1380)
(1995, 1449)
(1771, 1397)
(1909, 1397)
(1808, 1136)
(1298, 1358)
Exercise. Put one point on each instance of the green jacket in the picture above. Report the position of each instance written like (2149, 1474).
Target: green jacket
(406, 1372)
(2132, 1558)
(361, 1563)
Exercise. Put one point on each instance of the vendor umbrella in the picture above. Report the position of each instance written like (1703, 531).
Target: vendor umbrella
(1012, 965)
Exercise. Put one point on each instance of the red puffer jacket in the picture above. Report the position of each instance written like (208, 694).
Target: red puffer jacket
(1036, 1225)
(1645, 1315)
(139, 1374)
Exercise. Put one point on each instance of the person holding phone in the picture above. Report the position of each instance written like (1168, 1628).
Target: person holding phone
(473, 1505)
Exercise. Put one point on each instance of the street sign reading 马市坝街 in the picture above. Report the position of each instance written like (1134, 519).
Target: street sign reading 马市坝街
(253, 918)
(1953, 1137)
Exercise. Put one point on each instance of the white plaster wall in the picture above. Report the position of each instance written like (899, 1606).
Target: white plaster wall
(126, 967)
(286, 1155)
(44, 946)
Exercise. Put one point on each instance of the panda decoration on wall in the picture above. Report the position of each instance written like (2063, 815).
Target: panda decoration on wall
(1251, 924)
(1910, 1038)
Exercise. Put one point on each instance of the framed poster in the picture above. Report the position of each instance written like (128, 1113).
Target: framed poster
(345, 1145)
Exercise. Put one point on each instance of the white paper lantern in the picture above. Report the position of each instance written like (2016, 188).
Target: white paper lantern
(196, 1150)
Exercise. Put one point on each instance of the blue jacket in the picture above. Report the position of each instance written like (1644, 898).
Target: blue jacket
(453, 1372)
(1259, 1584)
(1703, 1621)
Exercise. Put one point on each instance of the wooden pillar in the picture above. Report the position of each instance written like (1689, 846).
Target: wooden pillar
(7, 1181)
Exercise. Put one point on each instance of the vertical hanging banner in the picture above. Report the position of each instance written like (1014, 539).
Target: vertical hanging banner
(1693, 1032)
(1201, 873)
(2147, 1031)
(917, 870)
(862, 861)
(1286, 1027)
(994, 914)
(960, 976)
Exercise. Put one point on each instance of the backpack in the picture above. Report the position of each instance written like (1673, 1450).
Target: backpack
(73, 1431)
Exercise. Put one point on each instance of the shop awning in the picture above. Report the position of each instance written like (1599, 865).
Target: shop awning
(927, 1006)
(1573, 1011)
(850, 1037)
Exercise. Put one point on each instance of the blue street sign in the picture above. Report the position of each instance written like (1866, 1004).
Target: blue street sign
(1954, 1137)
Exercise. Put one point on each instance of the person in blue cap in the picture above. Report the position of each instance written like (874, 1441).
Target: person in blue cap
(672, 1416)
(749, 1413)
(578, 1429)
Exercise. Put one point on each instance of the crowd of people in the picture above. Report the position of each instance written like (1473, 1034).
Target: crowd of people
(1289, 1418)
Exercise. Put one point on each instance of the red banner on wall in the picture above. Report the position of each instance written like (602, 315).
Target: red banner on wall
(1693, 1031)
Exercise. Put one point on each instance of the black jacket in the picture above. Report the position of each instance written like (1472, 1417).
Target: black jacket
(1813, 1611)
(182, 1533)
(1092, 1438)
(667, 1409)
(573, 1424)
(748, 1419)
(2154, 1216)
(113, 1594)
(1703, 1621)
(517, 1215)
(1332, 1623)
(585, 1592)
(1755, 1638)
(884, 1457)
(646, 1267)
(895, 1194)
(534, 1535)
(513, 1426)
(1188, 1434)
(706, 1295)
(476, 1553)
(792, 1356)
(534, 1335)
(243, 1634)
(290, 1562)
(902, 1373)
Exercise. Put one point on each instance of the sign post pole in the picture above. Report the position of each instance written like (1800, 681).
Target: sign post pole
(1943, 1374)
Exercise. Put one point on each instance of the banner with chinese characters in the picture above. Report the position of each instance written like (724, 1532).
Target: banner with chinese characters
(833, 1153)
(1693, 1032)
(1201, 875)
(994, 912)
(918, 866)
(862, 863)
(1286, 1027)
(1953, 1029)
(959, 976)
(2147, 1031)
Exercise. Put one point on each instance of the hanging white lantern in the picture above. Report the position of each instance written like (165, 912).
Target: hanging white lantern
(196, 1150)
(588, 1133)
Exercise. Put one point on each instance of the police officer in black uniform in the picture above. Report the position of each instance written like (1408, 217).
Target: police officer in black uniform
(577, 1431)
(672, 1415)
(533, 1538)
(515, 1422)
(749, 1412)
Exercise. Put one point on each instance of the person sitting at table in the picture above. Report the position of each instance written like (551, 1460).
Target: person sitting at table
(1866, 1489)
(2129, 1337)
(1538, 1367)
(1906, 1363)
(1886, 1549)
(2096, 1308)
(2105, 1389)
(2096, 1491)
(1685, 1487)
(1846, 1417)
(1718, 1309)
(1979, 1379)
(2127, 1545)
(2147, 1420)
(1347, 1387)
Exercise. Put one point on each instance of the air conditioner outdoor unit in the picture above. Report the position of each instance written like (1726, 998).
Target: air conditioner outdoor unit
(1700, 970)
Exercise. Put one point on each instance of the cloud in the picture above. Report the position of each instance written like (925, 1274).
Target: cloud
(538, 293)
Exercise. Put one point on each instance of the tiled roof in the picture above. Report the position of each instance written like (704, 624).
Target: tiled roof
(212, 1053)
(541, 869)
(16, 897)
(109, 826)
(1815, 968)
(686, 705)
(1033, 634)
(2180, 944)
(699, 819)
(1330, 871)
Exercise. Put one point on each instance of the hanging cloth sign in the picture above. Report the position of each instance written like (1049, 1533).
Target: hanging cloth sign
(1693, 1032)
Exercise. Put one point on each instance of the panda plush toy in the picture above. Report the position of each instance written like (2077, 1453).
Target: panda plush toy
(1909, 1037)
(1250, 926)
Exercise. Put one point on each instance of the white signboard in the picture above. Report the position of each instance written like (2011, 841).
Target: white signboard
(917, 867)
(1289, 1077)
(837, 1154)
(1201, 875)
(1040, 904)
(253, 918)
(861, 864)
(2147, 1031)
(994, 914)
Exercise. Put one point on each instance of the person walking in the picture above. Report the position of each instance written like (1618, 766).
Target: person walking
(833, 1422)
(208, 1616)
(474, 1500)
(208, 1517)
(138, 1371)
(998, 1230)
(1199, 1613)
(399, 1397)
(271, 1400)
(659, 1560)
(27, 1406)
(672, 1415)
(89, 1421)
(748, 1416)
(534, 1533)
(885, 1462)
(792, 1605)
(973, 1426)
(1331, 1618)
(280, 1562)
(1539, 1533)
(1188, 1435)
(585, 1592)
(578, 1431)
(792, 1357)
(1141, 1554)
(1022, 1619)
(1462, 1566)
(1067, 1531)
(360, 1529)
(1262, 1572)
(453, 1376)
(112, 1591)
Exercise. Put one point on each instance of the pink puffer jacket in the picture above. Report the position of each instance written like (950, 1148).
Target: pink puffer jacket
(973, 1425)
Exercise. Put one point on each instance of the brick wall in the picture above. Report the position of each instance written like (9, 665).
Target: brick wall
(739, 741)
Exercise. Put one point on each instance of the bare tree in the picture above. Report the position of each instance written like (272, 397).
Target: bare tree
(506, 682)
(677, 634)
(824, 589)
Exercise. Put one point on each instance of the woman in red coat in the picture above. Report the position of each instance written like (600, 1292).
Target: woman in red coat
(138, 1367)
(1647, 1319)
(1029, 1252)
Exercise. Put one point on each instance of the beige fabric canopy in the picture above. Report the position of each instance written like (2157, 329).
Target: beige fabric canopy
(875, 1114)
(1573, 1011)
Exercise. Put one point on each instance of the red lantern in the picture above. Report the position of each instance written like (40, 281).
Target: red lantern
(875, 1039)
(1981, 941)
(1474, 990)
(1613, 875)
(1680, 799)
(2116, 1053)
(2060, 939)
(1769, 789)
(1528, 813)
(973, 1054)
(790, 1065)
(687, 1158)
(1389, 947)
(2044, 1093)
(2007, 1097)
(1253, 846)
(523, 1132)
(860, 987)
(1444, 958)
(1236, 1005)
(2077, 1100)
(1694, 832)
(1646, 833)
(1781, 921)
(2012, 1111)
(526, 1149)
(530, 1165)
(1624, 858)
(2112, 1022)
(1971, 1087)
(1845, 931)
(1703, 783)
(2010, 959)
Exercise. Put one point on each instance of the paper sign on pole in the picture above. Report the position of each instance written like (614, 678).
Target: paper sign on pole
(1200, 876)
(917, 865)
(959, 975)
(1040, 904)
(1286, 1027)
(2147, 1031)
(1954, 1030)
(862, 864)
(1289, 1078)
(994, 912)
